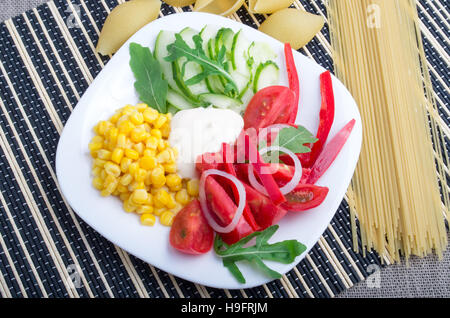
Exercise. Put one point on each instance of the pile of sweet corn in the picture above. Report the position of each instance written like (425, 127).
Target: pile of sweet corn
(134, 161)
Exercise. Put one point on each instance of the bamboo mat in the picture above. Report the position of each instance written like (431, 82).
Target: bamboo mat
(47, 61)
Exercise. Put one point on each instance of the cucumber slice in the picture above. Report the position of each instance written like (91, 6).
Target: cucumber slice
(224, 37)
(190, 69)
(261, 52)
(162, 41)
(241, 72)
(215, 84)
(207, 33)
(179, 101)
(266, 75)
(220, 101)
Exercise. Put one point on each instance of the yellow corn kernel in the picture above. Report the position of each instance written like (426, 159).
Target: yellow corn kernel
(126, 127)
(138, 134)
(161, 145)
(151, 142)
(163, 156)
(159, 210)
(136, 118)
(97, 139)
(93, 146)
(141, 107)
(182, 197)
(147, 162)
(156, 133)
(96, 171)
(126, 179)
(105, 193)
(177, 208)
(160, 121)
(128, 206)
(94, 154)
(124, 196)
(162, 196)
(110, 186)
(128, 109)
(103, 174)
(132, 154)
(144, 209)
(132, 168)
(112, 135)
(148, 178)
(124, 164)
(117, 155)
(97, 182)
(112, 169)
(140, 175)
(158, 178)
(175, 152)
(135, 185)
(121, 141)
(150, 115)
(166, 218)
(146, 127)
(170, 167)
(149, 153)
(173, 180)
(177, 187)
(99, 162)
(122, 189)
(148, 219)
(165, 130)
(149, 199)
(171, 203)
(192, 187)
(114, 118)
(102, 127)
(104, 154)
(139, 196)
(139, 148)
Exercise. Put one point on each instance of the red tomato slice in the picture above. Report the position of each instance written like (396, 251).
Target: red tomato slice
(282, 173)
(305, 197)
(190, 232)
(265, 212)
(223, 209)
(209, 160)
(270, 105)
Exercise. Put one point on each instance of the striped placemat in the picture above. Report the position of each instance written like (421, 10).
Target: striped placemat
(47, 61)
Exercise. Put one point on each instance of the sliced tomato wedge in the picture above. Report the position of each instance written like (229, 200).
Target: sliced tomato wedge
(223, 209)
(305, 197)
(265, 212)
(270, 105)
(209, 160)
(282, 173)
(190, 232)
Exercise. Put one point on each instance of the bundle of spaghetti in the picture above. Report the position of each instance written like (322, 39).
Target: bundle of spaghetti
(400, 191)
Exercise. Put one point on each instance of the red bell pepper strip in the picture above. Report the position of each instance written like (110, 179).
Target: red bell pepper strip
(267, 179)
(326, 119)
(294, 84)
(229, 168)
(304, 197)
(330, 152)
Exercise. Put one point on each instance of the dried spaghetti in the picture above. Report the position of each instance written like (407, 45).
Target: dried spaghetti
(400, 200)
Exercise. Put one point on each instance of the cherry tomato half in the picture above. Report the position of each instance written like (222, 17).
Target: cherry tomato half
(270, 105)
(190, 232)
(305, 197)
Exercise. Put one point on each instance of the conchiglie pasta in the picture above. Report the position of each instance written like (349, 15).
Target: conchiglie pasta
(179, 3)
(293, 26)
(220, 7)
(123, 21)
(268, 6)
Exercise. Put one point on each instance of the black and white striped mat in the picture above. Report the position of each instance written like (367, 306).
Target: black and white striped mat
(47, 61)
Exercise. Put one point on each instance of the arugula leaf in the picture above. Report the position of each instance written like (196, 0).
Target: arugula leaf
(180, 49)
(149, 84)
(283, 252)
(295, 139)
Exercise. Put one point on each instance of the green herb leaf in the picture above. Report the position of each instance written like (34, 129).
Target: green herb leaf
(295, 139)
(149, 84)
(283, 252)
(210, 67)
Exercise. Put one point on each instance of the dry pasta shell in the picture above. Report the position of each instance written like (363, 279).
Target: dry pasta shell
(220, 7)
(294, 26)
(268, 6)
(123, 21)
(179, 3)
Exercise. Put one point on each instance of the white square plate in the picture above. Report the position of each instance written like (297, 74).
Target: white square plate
(113, 88)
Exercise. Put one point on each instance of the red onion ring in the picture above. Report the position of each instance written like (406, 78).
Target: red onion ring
(202, 198)
(288, 187)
